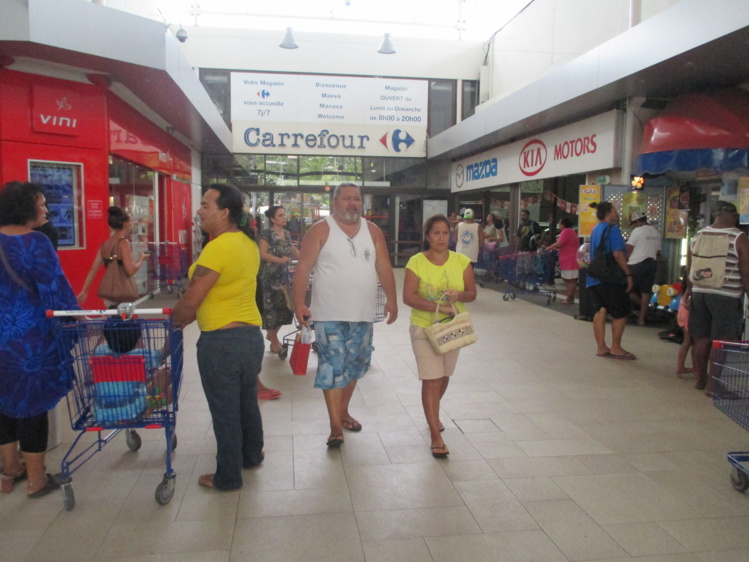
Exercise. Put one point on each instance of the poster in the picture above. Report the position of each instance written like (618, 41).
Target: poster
(587, 216)
(677, 212)
(59, 183)
(632, 202)
(743, 200)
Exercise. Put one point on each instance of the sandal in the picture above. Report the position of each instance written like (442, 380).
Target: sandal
(206, 480)
(351, 425)
(268, 394)
(335, 441)
(440, 451)
(50, 485)
(9, 482)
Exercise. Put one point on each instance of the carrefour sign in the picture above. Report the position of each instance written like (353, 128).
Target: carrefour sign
(328, 115)
(581, 147)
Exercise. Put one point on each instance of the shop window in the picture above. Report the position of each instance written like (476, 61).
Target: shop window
(442, 100)
(329, 170)
(62, 186)
(394, 172)
(469, 97)
(282, 170)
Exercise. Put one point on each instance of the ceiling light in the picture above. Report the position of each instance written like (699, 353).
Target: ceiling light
(387, 47)
(288, 41)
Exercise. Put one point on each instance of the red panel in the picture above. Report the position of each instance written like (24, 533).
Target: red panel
(135, 138)
(700, 121)
(14, 162)
(42, 110)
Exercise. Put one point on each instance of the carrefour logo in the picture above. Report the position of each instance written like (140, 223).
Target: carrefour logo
(532, 157)
(263, 94)
(395, 140)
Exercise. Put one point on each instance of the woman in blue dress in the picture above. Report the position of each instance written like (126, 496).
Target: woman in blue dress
(33, 376)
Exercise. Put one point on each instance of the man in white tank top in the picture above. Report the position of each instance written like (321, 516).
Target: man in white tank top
(716, 313)
(348, 255)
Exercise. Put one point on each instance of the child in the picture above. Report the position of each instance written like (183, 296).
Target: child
(682, 319)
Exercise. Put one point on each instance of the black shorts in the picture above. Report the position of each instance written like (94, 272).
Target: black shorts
(643, 276)
(613, 297)
(715, 317)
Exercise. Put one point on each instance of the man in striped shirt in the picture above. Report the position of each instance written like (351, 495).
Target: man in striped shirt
(715, 308)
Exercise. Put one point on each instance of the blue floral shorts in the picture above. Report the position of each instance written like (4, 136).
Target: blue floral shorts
(344, 352)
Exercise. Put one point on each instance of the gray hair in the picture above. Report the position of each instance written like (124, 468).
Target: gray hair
(337, 190)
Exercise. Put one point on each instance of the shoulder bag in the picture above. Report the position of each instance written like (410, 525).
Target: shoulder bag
(452, 333)
(116, 285)
(604, 266)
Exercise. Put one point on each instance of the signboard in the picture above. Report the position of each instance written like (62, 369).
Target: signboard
(328, 115)
(587, 219)
(632, 202)
(580, 147)
(677, 212)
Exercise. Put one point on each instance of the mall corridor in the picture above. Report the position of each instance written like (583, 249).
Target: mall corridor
(556, 455)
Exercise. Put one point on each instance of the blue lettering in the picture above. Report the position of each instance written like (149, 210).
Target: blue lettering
(247, 136)
(482, 170)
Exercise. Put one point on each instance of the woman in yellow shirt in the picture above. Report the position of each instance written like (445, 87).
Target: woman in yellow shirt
(435, 279)
(221, 296)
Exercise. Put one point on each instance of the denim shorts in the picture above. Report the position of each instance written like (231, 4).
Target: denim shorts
(344, 352)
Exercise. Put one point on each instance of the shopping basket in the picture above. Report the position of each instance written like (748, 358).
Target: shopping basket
(127, 375)
(729, 371)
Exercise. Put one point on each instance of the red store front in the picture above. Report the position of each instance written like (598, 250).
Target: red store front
(91, 150)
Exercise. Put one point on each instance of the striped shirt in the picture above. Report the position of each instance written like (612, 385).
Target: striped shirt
(732, 285)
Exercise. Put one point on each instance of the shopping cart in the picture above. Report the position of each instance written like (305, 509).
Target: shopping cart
(528, 272)
(168, 266)
(729, 370)
(487, 266)
(127, 375)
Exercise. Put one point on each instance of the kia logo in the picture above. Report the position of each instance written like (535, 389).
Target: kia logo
(532, 157)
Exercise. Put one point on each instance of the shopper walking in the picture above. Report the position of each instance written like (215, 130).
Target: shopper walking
(567, 244)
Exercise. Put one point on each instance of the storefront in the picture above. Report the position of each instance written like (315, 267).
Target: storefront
(91, 150)
(541, 174)
(697, 149)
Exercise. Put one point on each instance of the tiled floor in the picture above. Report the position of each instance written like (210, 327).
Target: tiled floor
(555, 455)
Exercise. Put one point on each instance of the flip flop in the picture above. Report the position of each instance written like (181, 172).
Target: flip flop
(269, 394)
(335, 441)
(624, 356)
(440, 452)
(607, 354)
(352, 425)
(51, 485)
(9, 482)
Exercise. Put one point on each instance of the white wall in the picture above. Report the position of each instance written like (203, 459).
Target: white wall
(331, 54)
(552, 32)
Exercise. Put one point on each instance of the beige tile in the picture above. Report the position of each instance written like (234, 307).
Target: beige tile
(494, 506)
(363, 448)
(413, 550)
(535, 489)
(331, 537)
(206, 507)
(540, 466)
(400, 486)
(624, 498)
(519, 546)
(722, 555)
(212, 556)
(644, 539)
(180, 536)
(477, 426)
(317, 468)
(563, 447)
(276, 473)
(294, 502)
(17, 544)
(420, 522)
(726, 533)
(459, 471)
(573, 531)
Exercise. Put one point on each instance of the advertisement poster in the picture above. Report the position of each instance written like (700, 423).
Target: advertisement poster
(632, 202)
(743, 200)
(587, 216)
(677, 211)
(59, 183)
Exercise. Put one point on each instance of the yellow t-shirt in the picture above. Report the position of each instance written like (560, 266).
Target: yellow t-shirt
(434, 280)
(232, 299)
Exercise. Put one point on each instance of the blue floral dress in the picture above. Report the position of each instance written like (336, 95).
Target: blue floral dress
(33, 375)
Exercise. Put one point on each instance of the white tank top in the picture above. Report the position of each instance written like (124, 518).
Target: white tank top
(344, 286)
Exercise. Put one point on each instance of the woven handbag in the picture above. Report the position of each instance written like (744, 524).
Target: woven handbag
(451, 333)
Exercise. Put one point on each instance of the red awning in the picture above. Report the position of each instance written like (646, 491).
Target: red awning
(700, 121)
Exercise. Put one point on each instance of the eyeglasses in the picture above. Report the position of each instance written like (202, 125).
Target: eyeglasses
(353, 248)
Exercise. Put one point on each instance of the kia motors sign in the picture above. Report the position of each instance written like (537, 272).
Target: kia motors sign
(577, 148)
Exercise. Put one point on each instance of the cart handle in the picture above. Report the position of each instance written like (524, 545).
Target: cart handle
(108, 312)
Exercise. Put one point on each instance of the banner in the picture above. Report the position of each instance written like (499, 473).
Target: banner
(632, 202)
(587, 215)
(677, 212)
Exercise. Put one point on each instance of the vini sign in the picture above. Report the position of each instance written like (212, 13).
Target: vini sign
(580, 147)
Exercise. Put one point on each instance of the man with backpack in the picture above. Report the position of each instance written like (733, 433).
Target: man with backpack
(718, 265)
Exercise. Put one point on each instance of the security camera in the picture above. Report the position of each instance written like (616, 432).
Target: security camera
(181, 35)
